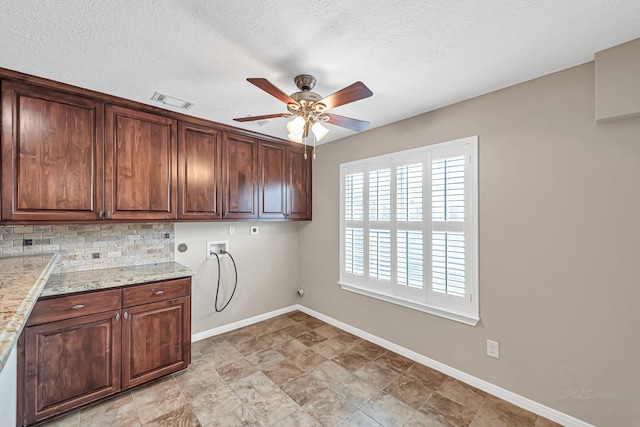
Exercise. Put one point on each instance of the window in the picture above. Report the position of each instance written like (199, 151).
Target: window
(408, 228)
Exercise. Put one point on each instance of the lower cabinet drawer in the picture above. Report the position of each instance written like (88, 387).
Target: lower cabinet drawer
(74, 305)
(159, 291)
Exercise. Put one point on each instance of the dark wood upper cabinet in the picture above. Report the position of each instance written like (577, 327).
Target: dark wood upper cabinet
(52, 155)
(76, 156)
(298, 183)
(199, 172)
(140, 165)
(240, 176)
(285, 181)
(272, 180)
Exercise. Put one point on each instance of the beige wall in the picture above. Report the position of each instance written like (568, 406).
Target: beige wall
(618, 82)
(267, 270)
(559, 247)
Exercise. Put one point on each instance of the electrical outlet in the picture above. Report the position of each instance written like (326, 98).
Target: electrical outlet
(27, 242)
(232, 230)
(493, 349)
(254, 229)
(95, 255)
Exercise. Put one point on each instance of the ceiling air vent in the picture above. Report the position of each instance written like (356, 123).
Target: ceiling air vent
(170, 100)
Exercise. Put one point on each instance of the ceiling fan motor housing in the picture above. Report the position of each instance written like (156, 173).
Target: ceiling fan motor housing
(306, 96)
(305, 82)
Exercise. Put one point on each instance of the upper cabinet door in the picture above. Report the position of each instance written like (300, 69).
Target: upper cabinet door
(240, 176)
(140, 165)
(52, 155)
(199, 172)
(298, 184)
(272, 181)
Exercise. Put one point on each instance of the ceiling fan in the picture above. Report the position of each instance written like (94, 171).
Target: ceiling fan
(309, 110)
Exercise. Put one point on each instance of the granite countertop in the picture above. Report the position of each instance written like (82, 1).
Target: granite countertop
(68, 283)
(22, 279)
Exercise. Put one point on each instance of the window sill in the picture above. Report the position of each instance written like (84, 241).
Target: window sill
(457, 316)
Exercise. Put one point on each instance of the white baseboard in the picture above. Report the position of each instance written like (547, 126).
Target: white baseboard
(241, 323)
(516, 399)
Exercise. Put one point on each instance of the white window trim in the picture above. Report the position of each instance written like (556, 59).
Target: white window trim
(352, 284)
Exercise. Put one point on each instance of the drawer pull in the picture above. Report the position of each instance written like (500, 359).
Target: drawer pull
(159, 292)
(78, 307)
(126, 315)
(118, 316)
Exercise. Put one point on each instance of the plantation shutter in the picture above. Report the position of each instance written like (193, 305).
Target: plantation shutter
(408, 223)
(450, 268)
(379, 224)
(354, 257)
(410, 237)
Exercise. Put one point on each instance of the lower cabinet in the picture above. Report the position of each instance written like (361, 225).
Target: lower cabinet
(69, 363)
(153, 341)
(79, 348)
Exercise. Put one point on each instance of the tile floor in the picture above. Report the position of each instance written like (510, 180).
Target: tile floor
(295, 370)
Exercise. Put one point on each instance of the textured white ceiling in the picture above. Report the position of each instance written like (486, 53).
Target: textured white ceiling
(415, 56)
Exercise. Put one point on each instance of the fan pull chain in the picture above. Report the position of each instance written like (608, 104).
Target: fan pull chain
(304, 142)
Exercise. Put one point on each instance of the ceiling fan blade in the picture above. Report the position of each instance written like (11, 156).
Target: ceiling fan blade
(272, 90)
(346, 122)
(254, 118)
(352, 93)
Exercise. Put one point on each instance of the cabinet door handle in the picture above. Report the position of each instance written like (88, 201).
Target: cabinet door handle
(126, 315)
(159, 292)
(118, 316)
(78, 307)
(108, 214)
(100, 215)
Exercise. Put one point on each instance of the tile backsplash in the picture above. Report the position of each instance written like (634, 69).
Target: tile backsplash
(93, 246)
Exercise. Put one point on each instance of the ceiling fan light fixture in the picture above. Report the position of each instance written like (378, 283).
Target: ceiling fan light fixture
(296, 138)
(296, 126)
(319, 131)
